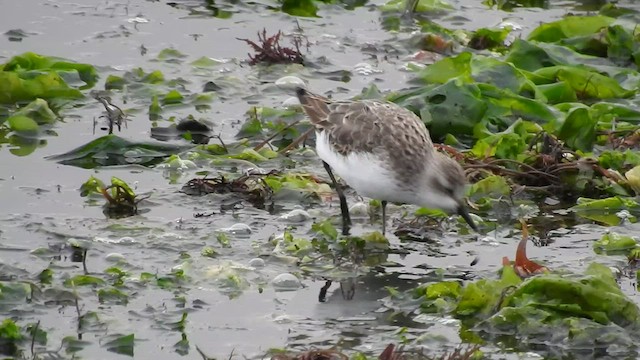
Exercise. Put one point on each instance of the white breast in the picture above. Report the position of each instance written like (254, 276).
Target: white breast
(364, 172)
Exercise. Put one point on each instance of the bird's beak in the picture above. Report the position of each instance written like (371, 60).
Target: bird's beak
(462, 211)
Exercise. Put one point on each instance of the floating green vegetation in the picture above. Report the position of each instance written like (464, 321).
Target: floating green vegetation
(121, 200)
(33, 88)
(114, 150)
(31, 76)
(563, 309)
(309, 8)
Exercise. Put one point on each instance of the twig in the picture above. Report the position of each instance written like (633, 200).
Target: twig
(80, 316)
(266, 141)
(296, 142)
(84, 262)
(33, 339)
(204, 356)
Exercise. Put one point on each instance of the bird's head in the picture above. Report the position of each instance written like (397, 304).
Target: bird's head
(446, 183)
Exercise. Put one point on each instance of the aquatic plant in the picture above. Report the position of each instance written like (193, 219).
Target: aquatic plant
(269, 51)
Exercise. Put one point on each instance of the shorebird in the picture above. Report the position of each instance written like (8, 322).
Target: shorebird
(383, 151)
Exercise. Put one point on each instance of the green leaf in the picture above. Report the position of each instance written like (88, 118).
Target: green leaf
(170, 54)
(450, 67)
(9, 331)
(559, 92)
(92, 186)
(71, 344)
(605, 210)
(493, 186)
(326, 228)
(39, 111)
(485, 38)
(586, 83)
(114, 150)
(114, 82)
(453, 107)
(306, 8)
(579, 130)
(34, 62)
(83, 280)
(208, 251)
(155, 109)
(205, 62)
(120, 344)
(173, 97)
(14, 89)
(118, 182)
(613, 242)
(570, 26)
(421, 6)
(45, 276)
(23, 125)
(223, 239)
(112, 296)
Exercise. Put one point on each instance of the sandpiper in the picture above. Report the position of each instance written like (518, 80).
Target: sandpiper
(383, 151)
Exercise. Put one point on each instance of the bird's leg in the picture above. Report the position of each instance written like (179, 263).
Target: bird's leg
(346, 219)
(384, 216)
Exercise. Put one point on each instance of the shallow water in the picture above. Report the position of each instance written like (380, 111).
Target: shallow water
(40, 206)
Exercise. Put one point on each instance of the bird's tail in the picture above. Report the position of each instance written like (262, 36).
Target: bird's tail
(315, 106)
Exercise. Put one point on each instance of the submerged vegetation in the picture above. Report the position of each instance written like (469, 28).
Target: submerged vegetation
(546, 127)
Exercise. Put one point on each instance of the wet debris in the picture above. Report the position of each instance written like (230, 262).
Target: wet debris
(197, 131)
(314, 354)
(269, 51)
(391, 352)
(251, 187)
(546, 171)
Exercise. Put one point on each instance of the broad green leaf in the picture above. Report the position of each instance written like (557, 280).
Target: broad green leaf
(114, 150)
(92, 186)
(114, 82)
(23, 125)
(48, 85)
(83, 280)
(448, 68)
(305, 8)
(34, 62)
(112, 296)
(39, 111)
(579, 130)
(613, 242)
(9, 331)
(504, 104)
(205, 62)
(170, 54)
(453, 107)
(173, 97)
(493, 186)
(120, 344)
(559, 92)
(570, 26)
(605, 210)
(586, 83)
